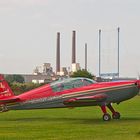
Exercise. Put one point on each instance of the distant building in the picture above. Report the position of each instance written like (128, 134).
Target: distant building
(41, 74)
(47, 69)
(36, 71)
(45, 74)
(63, 72)
(102, 79)
(75, 67)
(38, 78)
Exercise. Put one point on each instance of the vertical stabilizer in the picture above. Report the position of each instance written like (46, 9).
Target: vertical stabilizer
(5, 90)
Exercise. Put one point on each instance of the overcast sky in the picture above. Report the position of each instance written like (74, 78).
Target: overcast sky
(28, 33)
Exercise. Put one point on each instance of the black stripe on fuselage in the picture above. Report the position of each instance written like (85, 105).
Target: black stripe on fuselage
(95, 91)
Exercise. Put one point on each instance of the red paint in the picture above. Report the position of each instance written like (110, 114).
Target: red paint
(46, 91)
(104, 109)
(111, 109)
(138, 82)
(5, 90)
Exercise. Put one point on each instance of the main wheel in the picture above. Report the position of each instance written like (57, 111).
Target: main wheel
(116, 115)
(106, 117)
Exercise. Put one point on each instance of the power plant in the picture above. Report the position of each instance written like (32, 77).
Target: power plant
(45, 72)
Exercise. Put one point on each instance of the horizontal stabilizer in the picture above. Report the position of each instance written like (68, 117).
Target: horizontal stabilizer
(9, 100)
(5, 90)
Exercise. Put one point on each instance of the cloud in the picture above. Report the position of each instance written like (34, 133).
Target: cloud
(15, 7)
(30, 2)
(22, 2)
(1, 55)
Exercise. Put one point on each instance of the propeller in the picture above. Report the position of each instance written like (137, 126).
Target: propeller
(138, 80)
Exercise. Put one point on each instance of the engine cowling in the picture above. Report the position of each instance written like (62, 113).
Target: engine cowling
(138, 83)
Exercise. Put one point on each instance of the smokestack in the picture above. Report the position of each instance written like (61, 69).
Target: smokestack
(74, 47)
(86, 56)
(58, 53)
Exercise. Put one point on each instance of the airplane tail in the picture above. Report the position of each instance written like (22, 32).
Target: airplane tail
(5, 90)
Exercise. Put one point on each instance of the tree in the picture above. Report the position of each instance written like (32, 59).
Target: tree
(14, 78)
(82, 73)
(19, 88)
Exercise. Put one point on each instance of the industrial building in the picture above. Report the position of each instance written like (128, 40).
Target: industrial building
(45, 73)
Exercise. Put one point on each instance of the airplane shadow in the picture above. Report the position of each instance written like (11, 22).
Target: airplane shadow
(63, 119)
(71, 120)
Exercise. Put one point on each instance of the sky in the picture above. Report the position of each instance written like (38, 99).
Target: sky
(28, 31)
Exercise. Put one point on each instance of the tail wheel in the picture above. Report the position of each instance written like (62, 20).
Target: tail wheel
(106, 117)
(116, 115)
(3, 108)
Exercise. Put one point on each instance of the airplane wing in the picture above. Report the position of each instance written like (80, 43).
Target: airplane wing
(86, 99)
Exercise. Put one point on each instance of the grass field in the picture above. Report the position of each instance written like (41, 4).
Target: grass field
(76, 124)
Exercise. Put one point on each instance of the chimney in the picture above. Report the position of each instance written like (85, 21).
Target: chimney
(74, 47)
(58, 54)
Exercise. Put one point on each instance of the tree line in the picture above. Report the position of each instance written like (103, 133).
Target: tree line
(18, 85)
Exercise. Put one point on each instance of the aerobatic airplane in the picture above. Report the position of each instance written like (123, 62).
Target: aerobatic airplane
(71, 92)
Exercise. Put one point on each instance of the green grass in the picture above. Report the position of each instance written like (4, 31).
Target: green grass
(76, 124)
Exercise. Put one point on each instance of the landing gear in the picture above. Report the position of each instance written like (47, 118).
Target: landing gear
(106, 116)
(3, 108)
(116, 115)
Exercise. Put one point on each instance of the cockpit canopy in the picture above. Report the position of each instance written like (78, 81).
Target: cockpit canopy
(70, 83)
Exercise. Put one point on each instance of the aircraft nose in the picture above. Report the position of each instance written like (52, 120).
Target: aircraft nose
(138, 82)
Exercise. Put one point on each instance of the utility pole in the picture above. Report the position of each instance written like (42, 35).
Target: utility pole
(118, 51)
(86, 56)
(99, 52)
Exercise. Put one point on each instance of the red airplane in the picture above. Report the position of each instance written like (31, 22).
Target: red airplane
(71, 92)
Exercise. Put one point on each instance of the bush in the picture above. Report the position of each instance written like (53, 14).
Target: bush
(19, 88)
(14, 78)
(82, 73)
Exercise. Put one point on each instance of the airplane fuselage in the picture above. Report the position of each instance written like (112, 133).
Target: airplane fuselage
(46, 97)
